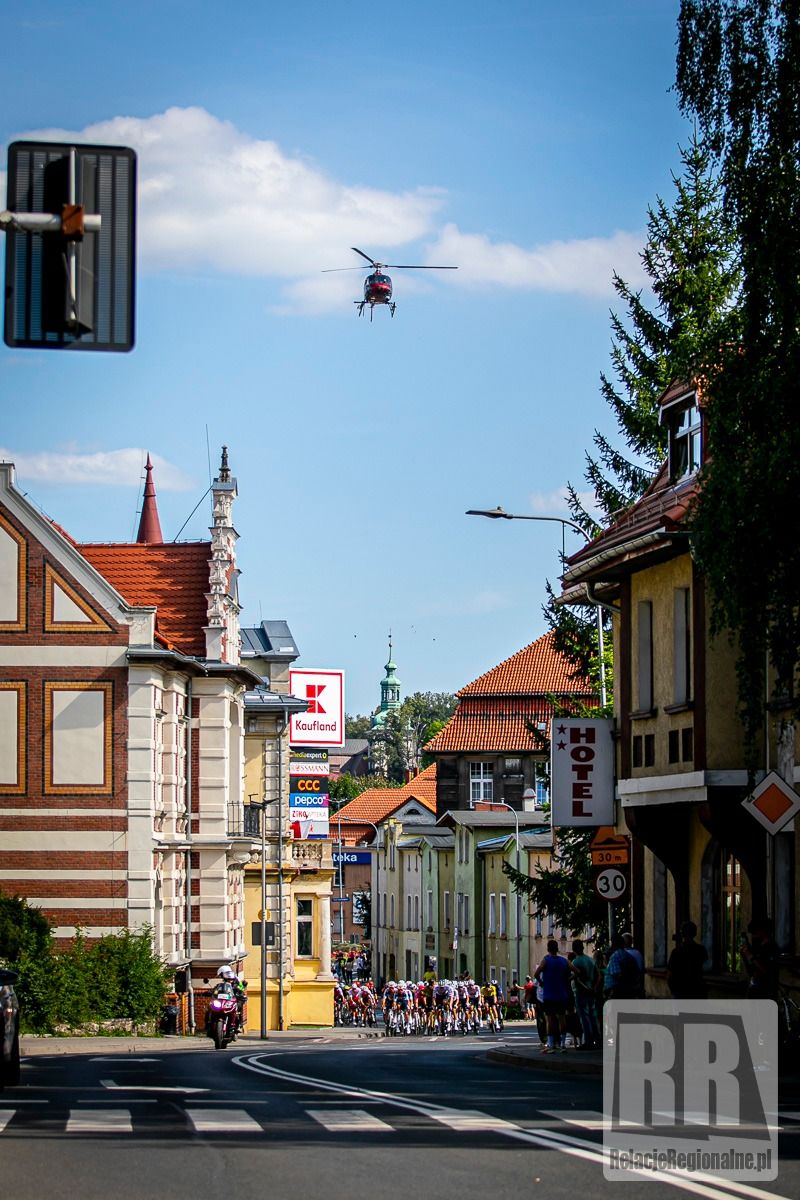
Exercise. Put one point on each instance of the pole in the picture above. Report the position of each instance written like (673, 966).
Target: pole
(281, 732)
(263, 947)
(341, 886)
(515, 815)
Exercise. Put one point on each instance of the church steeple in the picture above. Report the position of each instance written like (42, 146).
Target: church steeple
(149, 524)
(390, 684)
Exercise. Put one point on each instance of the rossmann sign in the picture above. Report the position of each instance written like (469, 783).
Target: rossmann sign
(581, 771)
(323, 722)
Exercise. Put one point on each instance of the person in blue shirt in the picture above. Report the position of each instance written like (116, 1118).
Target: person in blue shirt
(554, 974)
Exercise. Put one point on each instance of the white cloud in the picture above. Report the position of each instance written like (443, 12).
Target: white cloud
(211, 196)
(583, 266)
(214, 198)
(122, 468)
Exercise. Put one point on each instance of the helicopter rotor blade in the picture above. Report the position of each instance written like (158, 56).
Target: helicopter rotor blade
(366, 256)
(416, 267)
(328, 270)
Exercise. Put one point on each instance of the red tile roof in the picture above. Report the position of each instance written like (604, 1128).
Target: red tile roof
(172, 577)
(495, 710)
(375, 804)
(536, 670)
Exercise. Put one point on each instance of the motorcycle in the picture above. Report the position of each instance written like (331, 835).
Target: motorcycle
(222, 1025)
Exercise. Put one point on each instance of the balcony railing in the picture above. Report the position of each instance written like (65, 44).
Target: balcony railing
(307, 855)
(244, 821)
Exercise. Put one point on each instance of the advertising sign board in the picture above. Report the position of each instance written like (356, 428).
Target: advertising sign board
(582, 772)
(323, 723)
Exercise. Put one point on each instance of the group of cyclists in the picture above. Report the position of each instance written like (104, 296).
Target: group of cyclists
(429, 1006)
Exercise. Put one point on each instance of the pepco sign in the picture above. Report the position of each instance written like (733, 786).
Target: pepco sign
(581, 771)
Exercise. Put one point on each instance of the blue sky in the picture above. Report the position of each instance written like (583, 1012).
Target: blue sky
(522, 141)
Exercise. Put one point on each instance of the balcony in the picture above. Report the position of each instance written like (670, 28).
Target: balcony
(244, 821)
(307, 856)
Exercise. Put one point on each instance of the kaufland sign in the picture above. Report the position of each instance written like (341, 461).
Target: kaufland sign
(581, 772)
(323, 723)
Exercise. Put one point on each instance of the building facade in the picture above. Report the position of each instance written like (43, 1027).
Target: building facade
(698, 854)
(121, 718)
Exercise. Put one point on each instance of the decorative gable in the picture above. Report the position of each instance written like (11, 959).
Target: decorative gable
(65, 610)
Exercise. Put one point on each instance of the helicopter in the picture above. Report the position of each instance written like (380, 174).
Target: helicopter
(378, 285)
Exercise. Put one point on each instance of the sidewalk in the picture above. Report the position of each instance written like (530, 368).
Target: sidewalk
(530, 1057)
(34, 1045)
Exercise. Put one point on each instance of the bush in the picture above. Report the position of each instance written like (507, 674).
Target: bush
(118, 978)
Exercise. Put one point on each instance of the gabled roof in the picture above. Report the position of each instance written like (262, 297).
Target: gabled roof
(499, 818)
(496, 710)
(172, 577)
(376, 804)
(536, 670)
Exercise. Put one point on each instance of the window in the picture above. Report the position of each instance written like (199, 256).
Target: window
(681, 668)
(636, 747)
(503, 914)
(466, 914)
(674, 745)
(503, 980)
(493, 913)
(391, 853)
(649, 749)
(513, 766)
(687, 744)
(408, 912)
(480, 782)
(551, 926)
(446, 909)
(416, 912)
(459, 910)
(542, 786)
(685, 438)
(305, 928)
(391, 922)
(429, 921)
(644, 630)
(538, 924)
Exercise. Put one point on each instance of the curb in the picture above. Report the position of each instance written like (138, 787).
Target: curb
(568, 1064)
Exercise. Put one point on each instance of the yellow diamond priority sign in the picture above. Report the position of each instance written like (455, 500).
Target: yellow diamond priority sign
(773, 802)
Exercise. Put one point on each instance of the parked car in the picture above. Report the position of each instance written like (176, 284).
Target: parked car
(9, 1030)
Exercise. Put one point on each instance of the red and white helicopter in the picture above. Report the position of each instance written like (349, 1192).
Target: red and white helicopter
(378, 285)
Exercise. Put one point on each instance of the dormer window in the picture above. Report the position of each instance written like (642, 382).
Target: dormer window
(684, 421)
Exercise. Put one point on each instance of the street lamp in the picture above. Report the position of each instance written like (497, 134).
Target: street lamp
(501, 514)
(515, 815)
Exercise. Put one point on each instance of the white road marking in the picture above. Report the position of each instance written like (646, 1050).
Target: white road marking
(222, 1120)
(99, 1120)
(353, 1120)
(132, 1087)
(587, 1119)
(121, 1060)
(472, 1121)
(707, 1186)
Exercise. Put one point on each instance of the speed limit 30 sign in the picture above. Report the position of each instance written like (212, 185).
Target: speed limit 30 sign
(611, 884)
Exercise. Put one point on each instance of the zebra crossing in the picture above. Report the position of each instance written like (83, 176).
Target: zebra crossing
(228, 1119)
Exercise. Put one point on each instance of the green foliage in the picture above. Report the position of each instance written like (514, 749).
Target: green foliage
(738, 74)
(564, 890)
(115, 978)
(356, 727)
(422, 715)
(691, 260)
(346, 787)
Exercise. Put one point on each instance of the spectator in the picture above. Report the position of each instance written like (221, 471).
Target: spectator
(623, 977)
(554, 974)
(529, 998)
(584, 986)
(685, 966)
(760, 956)
(627, 939)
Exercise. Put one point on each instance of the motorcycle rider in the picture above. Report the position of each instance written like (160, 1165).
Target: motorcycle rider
(230, 984)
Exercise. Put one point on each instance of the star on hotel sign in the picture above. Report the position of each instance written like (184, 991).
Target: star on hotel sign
(773, 803)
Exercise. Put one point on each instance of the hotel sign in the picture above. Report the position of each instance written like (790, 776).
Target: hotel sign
(581, 772)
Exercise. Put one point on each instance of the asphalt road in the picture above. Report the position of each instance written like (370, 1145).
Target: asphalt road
(383, 1118)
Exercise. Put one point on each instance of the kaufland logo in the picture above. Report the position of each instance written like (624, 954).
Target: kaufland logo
(322, 724)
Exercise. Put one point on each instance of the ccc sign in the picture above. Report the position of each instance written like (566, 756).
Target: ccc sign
(311, 784)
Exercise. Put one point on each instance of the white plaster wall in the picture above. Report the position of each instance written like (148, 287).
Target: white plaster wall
(9, 718)
(78, 737)
(9, 577)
